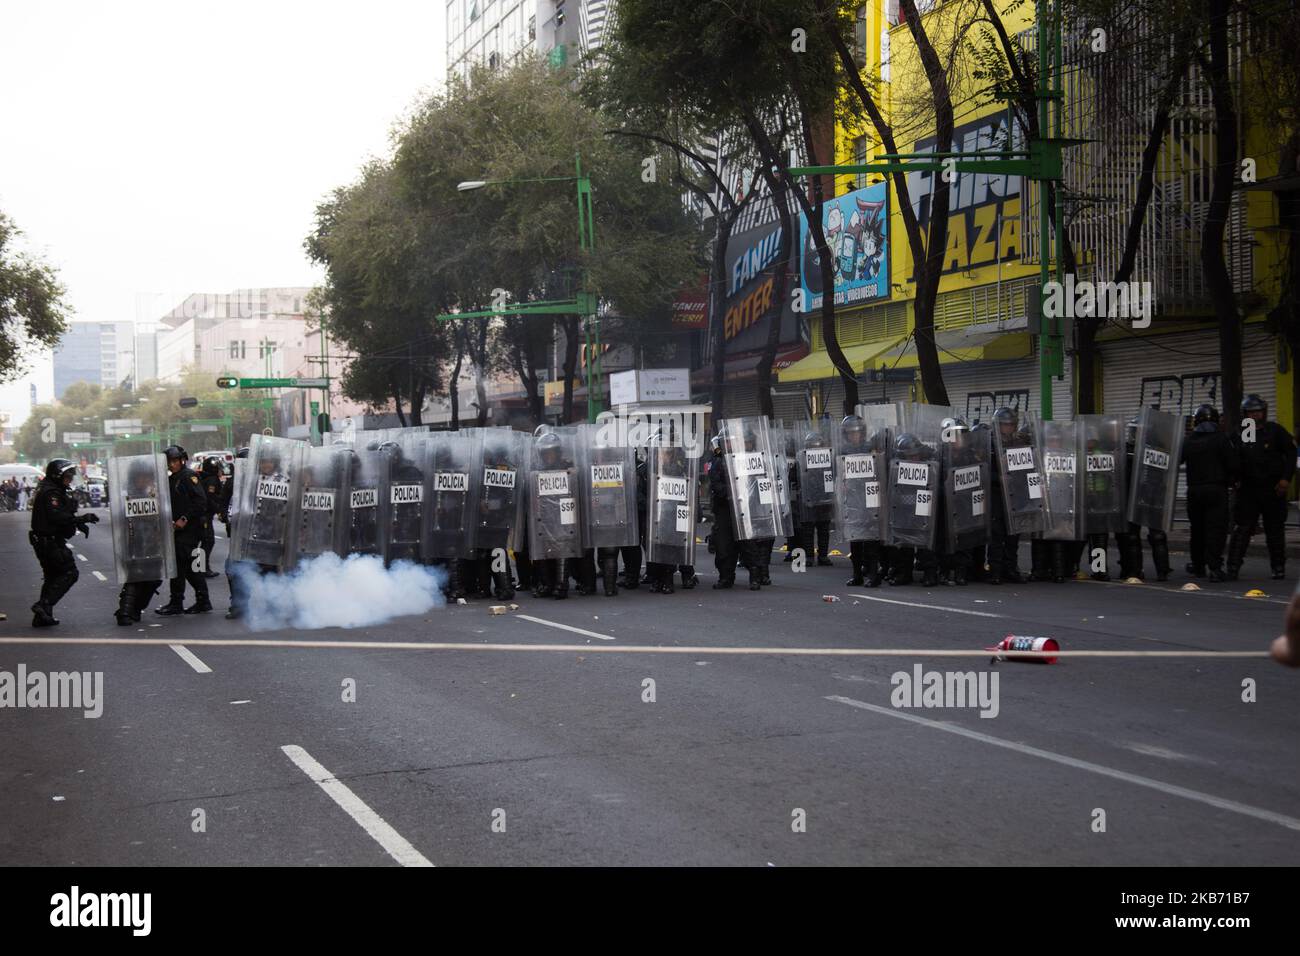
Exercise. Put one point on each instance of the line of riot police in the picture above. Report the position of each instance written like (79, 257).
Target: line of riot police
(912, 490)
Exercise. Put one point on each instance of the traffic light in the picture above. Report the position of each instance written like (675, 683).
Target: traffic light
(227, 382)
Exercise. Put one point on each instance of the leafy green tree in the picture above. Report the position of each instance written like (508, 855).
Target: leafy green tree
(33, 313)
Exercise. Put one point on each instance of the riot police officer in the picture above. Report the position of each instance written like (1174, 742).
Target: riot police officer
(1213, 466)
(235, 584)
(210, 473)
(1130, 541)
(725, 548)
(144, 558)
(54, 521)
(189, 507)
(1004, 545)
(1267, 468)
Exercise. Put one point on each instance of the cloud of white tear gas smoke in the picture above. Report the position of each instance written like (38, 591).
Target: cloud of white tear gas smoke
(332, 592)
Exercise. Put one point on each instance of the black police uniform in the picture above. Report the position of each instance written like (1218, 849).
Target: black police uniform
(725, 547)
(212, 490)
(54, 521)
(1213, 465)
(189, 502)
(1130, 541)
(632, 554)
(1268, 459)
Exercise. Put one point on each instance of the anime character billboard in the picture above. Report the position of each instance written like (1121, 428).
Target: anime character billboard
(857, 233)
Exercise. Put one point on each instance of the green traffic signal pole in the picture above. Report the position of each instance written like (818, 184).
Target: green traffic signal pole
(1039, 161)
(583, 303)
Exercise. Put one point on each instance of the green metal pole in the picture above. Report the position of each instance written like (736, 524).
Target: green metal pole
(1045, 342)
(1059, 238)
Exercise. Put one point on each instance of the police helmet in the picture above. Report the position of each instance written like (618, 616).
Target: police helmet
(548, 441)
(814, 440)
(1205, 413)
(175, 452)
(540, 430)
(58, 468)
(716, 444)
(1253, 403)
(1006, 416)
(909, 446)
(242, 453)
(852, 423)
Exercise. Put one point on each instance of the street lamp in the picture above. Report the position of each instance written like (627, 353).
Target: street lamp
(583, 303)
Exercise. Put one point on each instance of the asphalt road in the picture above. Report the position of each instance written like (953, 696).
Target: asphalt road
(733, 753)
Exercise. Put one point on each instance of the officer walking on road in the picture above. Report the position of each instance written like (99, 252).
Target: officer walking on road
(1213, 466)
(54, 521)
(189, 507)
(1267, 468)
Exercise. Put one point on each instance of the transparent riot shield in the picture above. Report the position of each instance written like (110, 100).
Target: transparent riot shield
(554, 515)
(926, 423)
(272, 500)
(913, 493)
(815, 466)
(140, 509)
(755, 507)
(861, 480)
(367, 514)
(238, 478)
(782, 460)
(408, 470)
(502, 489)
(671, 490)
(967, 485)
(1019, 472)
(607, 488)
(1154, 482)
(1105, 489)
(323, 518)
(1058, 449)
(881, 415)
(454, 477)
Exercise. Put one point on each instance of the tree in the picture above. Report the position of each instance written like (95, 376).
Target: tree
(742, 63)
(32, 309)
(518, 242)
(381, 295)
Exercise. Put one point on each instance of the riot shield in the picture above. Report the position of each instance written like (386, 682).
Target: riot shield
(815, 465)
(554, 518)
(454, 478)
(926, 423)
(861, 479)
(671, 489)
(271, 502)
(607, 488)
(1020, 472)
(755, 507)
(140, 509)
(322, 526)
(1154, 481)
(967, 484)
(234, 510)
(882, 415)
(367, 513)
(407, 478)
(1105, 491)
(503, 489)
(1058, 449)
(782, 458)
(913, 493)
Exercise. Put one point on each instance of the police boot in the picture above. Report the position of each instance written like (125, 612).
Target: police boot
(126, 614)
(1130, 557)
(755, 580)
(855, 558)
(1237, 546)
(959, 576)
(1160, 554)
(201, 606)
(170, 608)
(1058, 562)
(609, 567)
(689, 578)
(43, 616)
(902, 568)
(504, 587)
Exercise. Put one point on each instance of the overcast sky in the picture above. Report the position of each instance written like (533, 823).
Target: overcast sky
(152, 149)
